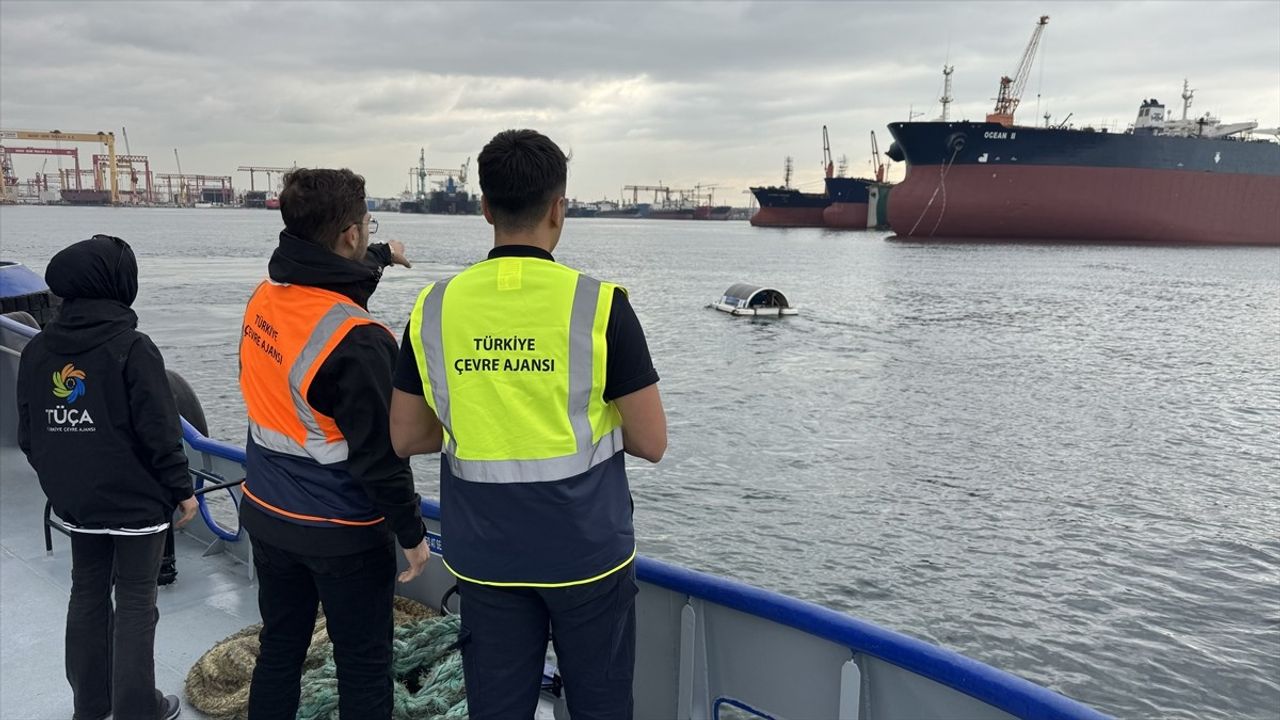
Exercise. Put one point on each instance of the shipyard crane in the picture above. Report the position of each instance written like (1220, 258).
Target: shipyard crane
(182, 181)
(635, 192)
(827, 166)
(880, 165)
(108, 139)
(251, 169)
(133, 172)
(7, 177)
(1011, 87)
(711, 192)
(421, 172)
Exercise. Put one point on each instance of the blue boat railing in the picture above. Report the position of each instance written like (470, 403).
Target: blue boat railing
(997, 688)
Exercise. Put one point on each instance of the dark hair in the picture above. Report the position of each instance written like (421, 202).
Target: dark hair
(521, 172)
(318, 204)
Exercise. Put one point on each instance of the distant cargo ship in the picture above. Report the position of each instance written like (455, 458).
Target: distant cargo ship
(856, 204)
(455, 202)
(712, 212)
(788, 207)
(86, 197)
(1165, 181)
(670, 213)
(442, 202)
(845, 204)
(627, 211)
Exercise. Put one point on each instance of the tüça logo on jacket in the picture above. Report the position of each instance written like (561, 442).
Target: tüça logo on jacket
(68, 384)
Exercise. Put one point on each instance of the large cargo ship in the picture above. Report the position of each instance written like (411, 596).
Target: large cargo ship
(1162, 181)
(626, 211)
(712, 212)
(845, 204)
(856, 203)
(788, 207)
(671, 212)
(73, 196)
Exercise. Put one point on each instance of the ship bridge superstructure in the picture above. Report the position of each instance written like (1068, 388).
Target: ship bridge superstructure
(1153, 120)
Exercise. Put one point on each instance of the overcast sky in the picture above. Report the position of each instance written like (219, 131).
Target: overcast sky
(638, 92)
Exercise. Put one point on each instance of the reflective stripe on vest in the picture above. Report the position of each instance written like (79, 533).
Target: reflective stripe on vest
(587, 321)
(275, 393)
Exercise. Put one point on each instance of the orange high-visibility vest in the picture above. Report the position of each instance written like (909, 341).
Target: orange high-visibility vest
(288, 333)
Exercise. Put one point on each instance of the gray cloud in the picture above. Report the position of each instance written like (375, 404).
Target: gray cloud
(710, 92)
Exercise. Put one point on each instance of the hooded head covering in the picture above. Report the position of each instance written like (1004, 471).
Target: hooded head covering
(100, 268)
(97, 280)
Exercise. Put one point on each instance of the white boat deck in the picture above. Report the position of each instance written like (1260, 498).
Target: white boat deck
(207, 603)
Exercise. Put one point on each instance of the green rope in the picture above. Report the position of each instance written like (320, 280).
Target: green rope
(428, 676)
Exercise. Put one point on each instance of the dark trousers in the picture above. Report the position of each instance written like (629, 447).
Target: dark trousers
(356, 592)
(110, 651)
(504, 646)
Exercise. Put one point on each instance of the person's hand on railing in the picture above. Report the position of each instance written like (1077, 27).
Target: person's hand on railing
(188, 507)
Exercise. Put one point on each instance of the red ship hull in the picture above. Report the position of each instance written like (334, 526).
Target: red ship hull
(788, 217)
(845, 216)
(1087, 203)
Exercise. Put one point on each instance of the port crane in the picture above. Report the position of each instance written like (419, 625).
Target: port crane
(251, 169)
(828, 166)
(1011, 87)
(11, 179)
(710, 194)
(879, 164)
(108, 139)
(422, 172)
(182, 181)
(133, 172)
(636, 189)
(7, 177)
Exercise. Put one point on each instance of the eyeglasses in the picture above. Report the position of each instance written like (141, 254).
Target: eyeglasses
(373, 226)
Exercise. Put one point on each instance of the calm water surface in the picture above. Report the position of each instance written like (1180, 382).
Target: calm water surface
(1061, 460)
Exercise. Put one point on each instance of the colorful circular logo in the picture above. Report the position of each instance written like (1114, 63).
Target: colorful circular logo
(68, 383)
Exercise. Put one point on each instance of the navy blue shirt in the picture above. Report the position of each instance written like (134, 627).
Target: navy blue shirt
(629, 366)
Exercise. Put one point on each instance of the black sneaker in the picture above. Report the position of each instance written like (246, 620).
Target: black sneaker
(168, 570)
(171, 708)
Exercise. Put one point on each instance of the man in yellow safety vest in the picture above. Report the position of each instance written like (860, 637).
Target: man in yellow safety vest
(532, 379)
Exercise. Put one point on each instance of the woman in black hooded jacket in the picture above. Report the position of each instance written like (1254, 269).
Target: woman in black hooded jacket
(98, 422)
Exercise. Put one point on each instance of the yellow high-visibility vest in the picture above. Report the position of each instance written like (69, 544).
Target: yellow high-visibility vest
(512, 354)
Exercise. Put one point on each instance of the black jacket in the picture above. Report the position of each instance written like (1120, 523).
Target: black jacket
(353, 387)
(96, 417)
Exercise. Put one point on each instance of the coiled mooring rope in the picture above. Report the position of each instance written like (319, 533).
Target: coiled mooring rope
(428, 676)
(428, 671)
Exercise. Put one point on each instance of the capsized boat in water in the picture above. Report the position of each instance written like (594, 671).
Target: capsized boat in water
(754, 300)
